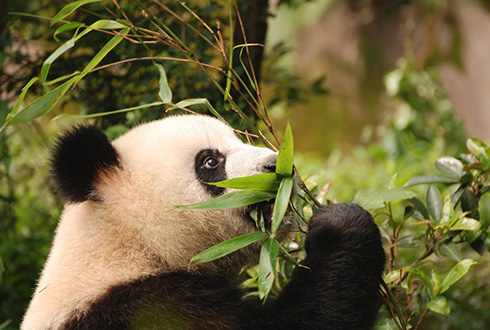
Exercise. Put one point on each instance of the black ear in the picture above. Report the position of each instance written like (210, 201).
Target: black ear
(79, 157)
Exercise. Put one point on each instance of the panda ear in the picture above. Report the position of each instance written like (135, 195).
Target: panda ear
(79, 158)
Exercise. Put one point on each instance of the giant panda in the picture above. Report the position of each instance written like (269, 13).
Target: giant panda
(120, 256)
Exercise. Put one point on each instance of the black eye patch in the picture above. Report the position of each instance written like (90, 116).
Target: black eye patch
(210, 167)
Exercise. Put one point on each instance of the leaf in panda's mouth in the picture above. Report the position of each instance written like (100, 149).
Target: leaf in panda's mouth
(232, 200)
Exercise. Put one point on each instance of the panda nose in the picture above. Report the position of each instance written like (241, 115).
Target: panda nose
(270, 164)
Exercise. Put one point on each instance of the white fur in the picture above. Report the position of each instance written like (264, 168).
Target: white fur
(135, 231)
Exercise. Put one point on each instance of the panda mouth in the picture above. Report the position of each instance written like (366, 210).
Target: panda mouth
(261, 214)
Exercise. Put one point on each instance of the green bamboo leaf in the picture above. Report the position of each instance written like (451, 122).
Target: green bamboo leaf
(281, 203)
(286, 152)
(57, 53)
(450, 167)
(224, 248)
(439, 305)
(189, 102)
(456, 273)
(434, 203)
(394, 275)
(423, 179)
(165, 92)
(65, 28)
(102, 53)
(466, 224)
(107, 113)
(268, 260)
(424, 277)
(375, 198)
(447, 211)
(23, 95)
(435, 279)
(265, 181)
(68, 9)
(41, 106)
(232, 200)
(479, 149)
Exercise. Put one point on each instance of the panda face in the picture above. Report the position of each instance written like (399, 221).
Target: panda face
(154, 167)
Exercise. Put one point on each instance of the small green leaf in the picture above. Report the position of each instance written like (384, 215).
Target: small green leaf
(466, 224)
(385, 324)
(424, 277)
(456, 273)
(479, 149)
(268, 260)
(394, 275)
(421, 208)
(265, 181)
(68, 9)
(434, 203)
(427, 179)
(107, 113)
(451, 251)
(435, 279)
(224, 248)
(439, 305)
(57, 53)
(286, 152)
(450, 167)
(232, 200)
(165, 92)
(470, 203)
(375, 198)
(281, 203)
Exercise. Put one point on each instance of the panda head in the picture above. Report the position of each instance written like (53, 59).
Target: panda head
(124, 192)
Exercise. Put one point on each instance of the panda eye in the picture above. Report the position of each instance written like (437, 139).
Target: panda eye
(210, 163)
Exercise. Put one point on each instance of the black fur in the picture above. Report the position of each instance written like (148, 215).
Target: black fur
(79, 157)
(210, 175)
(340, 290)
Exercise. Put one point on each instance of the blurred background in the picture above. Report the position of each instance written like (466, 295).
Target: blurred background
(375, 91)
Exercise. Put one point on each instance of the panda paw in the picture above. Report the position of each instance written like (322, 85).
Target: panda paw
(340, 226)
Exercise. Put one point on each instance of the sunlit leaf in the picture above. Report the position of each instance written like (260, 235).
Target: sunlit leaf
(23, 95)
(268, 260)
(434, 203)
(466, 224)
(394, 275)
(450, 167)
(439, 305)
(286, 151)
(68, 9)
(265, 181)
(65, 28)
(189, 102)
(232, 200)
(375, 198)
(107, 113)
(447, 210)
(224, 248)
(281, 203)
(57, 53)
(165, 92)
(456, 273)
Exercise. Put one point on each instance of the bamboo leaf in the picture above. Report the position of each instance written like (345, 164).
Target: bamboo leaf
(23, 95)
(286, 152)
(281, 203)
(232, 200)
(268, 260)
(165, 92)
(41, 106)
(70, 8)
(265, 181)
(224, 248)
(189, 102)
(107, 113)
